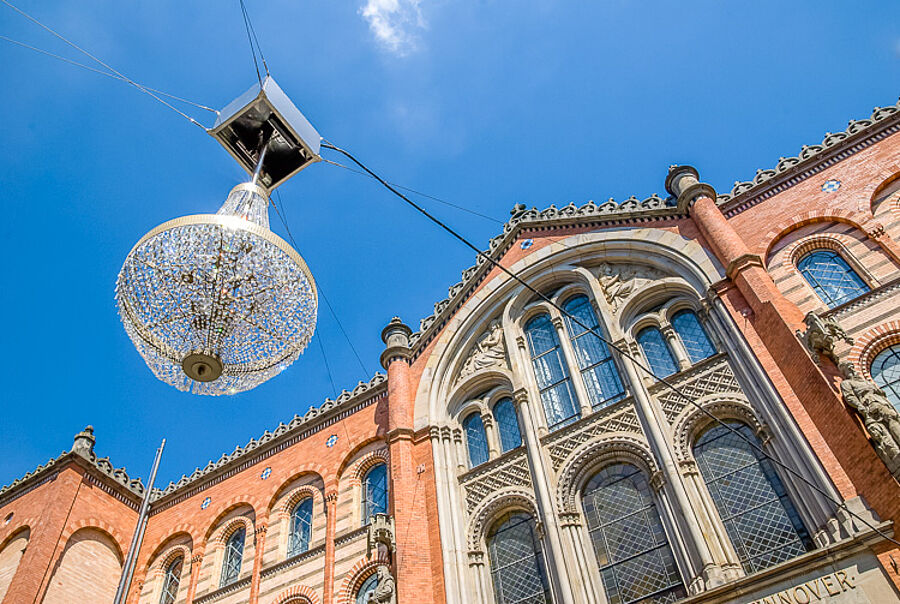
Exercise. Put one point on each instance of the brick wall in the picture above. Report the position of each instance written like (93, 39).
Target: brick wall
(88, 570)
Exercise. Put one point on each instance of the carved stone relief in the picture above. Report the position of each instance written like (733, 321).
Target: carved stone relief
(619, 281)
(714, 378)
(620, 418)
(481, 483)
(488, 352)
(878, 415)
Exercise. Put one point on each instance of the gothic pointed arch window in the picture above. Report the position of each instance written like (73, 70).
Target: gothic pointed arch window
(374, 492)
(885, 370)
(693, 336)
(552, 372)
(635, 559)
(507, 424)
(366, 589)
(234, 553)
(656, 351)
(171, 581)
(598, 369)
(833, 280)
(518, 570)
(301, 527)
(760, 518)
(476, 440)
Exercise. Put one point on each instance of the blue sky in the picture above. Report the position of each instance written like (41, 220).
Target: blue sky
(485, 104)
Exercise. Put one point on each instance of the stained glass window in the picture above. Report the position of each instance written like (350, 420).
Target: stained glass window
(885, 371)
(171, 581)
(636, 562)
(374, 492)
(760, 519)
(601, 377)
(831, 277)
(657, 352)
(507, 424)
(234, 552)
(368, 587)
(552, 373)
(692, 335)
(517, 562)
(476, 440)
(301, 527)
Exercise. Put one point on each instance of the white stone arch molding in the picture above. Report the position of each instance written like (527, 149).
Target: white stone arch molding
(723, 406)
(666, 251)
(507, 499)
(593, 456)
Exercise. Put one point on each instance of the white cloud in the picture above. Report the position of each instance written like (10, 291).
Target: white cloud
(395, 23)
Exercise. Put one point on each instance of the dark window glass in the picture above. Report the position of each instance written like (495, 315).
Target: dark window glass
(657, 352)
(476, 440)
(234, 552)
(374, 492)
(636, 562)
(552, 373)
(517, 563)
(171, 581)
(761, 521)
(886, 373)
(507, 424)
(368, 587)
(692, 335)
(831, 277)
(301, 527)
(598, 369)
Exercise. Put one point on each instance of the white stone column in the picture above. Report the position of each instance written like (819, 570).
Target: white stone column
(573, 527)
(675, 346)
(490, 433)
(446, 519)
(584, 401)
(478, 573)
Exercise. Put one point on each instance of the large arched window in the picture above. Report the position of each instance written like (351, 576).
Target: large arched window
(601, 377)
(301, 527)
(507, 425)
(656, 351)
(374, 492)
(367, 588)
(885, 371)
(476, 440)
(636, 562)
(171, 581)
(761, 521)
(552, 373)
(517, 562)
(234, 552)
(831, 277)
(692, 335)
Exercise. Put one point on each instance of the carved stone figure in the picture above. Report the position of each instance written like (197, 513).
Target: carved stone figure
(489, 351)
(821, 335)
(619, 281)
(386, 591)
(878, 415)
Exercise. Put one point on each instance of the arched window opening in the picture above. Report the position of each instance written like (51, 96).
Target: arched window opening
(366, 589)
(831, 277)
(885, 371)
(374, 492)
(761, 521)
(476, 440)
(171, 581)
(517, 561)
(551, 372)
(657, 352)
(598, 369)
(301, 527)
(507, 424)
(635, 559)
(234, 552)
(692, 335)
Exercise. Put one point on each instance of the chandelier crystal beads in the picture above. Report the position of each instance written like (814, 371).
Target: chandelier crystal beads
(217, 303)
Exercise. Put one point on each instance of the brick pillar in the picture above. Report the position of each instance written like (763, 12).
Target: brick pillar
(196, 562)
(34, 570)
(330, 523)
(261, 528)
(810, 395)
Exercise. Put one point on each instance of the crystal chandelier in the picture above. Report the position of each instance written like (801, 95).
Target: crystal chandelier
(218, 303)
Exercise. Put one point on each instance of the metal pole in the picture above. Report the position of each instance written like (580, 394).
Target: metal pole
(263, 146)
(138, 536)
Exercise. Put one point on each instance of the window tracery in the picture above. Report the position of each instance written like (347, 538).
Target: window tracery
(234, 552)
(598, 369)
(656, 351)
(508, 424)
(374, 492)
(366, 589)
(517, 561)
(831, 277)
(552, 372)
(693, 337)
(171, 581)
(476, 440)
(885, 371)
(301, 527)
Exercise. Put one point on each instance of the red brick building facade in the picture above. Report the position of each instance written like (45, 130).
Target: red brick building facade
(520, 459)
